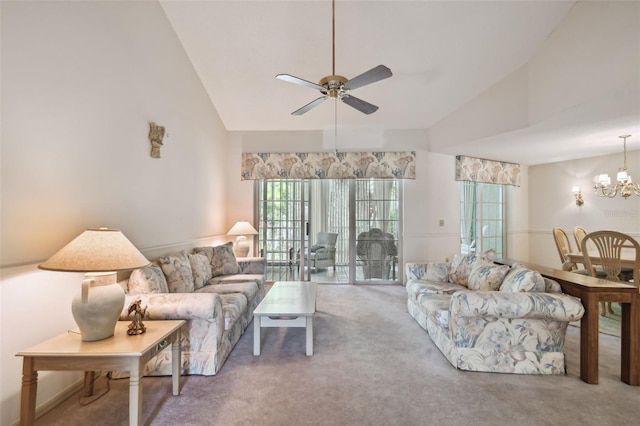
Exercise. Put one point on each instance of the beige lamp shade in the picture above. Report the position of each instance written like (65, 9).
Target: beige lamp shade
(242, 228)
(97, 250)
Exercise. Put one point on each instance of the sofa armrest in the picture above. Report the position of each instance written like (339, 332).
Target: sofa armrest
(252, 265)
(496, 304)
(428, 271)
(415, 270)
(186, 306)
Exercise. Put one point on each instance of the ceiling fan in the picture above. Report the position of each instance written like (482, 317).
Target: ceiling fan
(338, 87)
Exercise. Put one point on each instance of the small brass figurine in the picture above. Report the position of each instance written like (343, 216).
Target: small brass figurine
(137, 327)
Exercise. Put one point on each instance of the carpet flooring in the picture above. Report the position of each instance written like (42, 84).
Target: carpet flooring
(373, 365)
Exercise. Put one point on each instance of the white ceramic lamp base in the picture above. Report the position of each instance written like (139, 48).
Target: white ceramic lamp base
(242, 246)
(97, 307)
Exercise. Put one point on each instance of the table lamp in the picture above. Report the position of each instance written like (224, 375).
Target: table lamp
(100, 253)
(242, 229)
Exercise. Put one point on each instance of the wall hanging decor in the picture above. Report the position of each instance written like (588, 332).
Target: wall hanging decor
(329, 165)
(156, 133)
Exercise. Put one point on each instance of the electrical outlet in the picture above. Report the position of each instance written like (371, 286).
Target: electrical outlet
(441, 222)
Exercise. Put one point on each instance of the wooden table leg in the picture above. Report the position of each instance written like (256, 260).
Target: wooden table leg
(176, 363)
(89, 381)
(29, 392)
(630, 342)
(589, 340)
(135, 392)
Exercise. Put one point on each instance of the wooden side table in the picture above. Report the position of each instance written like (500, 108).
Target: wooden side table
(121, 352)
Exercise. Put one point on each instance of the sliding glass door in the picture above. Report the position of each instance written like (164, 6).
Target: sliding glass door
(296, 217)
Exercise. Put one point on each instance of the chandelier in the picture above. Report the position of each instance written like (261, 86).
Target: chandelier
(602, 183)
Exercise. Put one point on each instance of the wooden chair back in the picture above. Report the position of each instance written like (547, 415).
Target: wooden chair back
(609, 247)
(564, 247)
(578, 233)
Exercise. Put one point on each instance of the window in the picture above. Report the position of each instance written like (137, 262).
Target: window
(482, 213)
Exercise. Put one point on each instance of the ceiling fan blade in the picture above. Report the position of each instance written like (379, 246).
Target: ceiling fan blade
(374, 74)
(310, 105)
(296, 80)
(359, 104)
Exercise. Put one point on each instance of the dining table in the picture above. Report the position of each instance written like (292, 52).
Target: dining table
(627, 260)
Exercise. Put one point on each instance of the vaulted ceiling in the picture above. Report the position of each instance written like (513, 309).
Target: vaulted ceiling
(443, 55)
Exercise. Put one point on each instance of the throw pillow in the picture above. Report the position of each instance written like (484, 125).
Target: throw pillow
(177, 269)
(207, 251)
(149, 279)
(223, 261)
(487, 277)
(201, 269)
(463, 264)
(523, 280)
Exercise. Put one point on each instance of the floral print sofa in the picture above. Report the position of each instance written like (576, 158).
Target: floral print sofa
(212, 290)
(492, 318)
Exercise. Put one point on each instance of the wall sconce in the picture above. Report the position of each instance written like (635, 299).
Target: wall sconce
(578, 195)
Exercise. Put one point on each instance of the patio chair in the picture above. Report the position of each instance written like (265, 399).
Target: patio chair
(377, 250)
(323, 252)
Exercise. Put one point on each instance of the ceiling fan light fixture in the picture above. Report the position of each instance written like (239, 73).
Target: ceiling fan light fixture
(336, 86)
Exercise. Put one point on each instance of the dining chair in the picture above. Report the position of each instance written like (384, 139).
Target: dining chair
(578, 233)
(564, 247)
(626, 274)
(609, 247)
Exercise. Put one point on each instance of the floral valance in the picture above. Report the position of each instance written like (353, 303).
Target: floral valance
(329, 165)
(487, 171)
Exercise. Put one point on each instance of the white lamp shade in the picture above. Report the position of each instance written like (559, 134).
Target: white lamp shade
(242, 228)
(97, 250)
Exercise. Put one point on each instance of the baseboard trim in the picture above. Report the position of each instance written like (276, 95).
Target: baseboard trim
(49, 405)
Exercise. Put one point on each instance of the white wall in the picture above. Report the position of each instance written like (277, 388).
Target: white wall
(80, 83)
(583, 81)
(552, 204)
(592, 54)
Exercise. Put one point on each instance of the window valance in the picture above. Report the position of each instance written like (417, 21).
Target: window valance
(487, 171)
(329, 165)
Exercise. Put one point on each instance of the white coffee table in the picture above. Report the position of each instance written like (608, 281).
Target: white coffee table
(287, 304)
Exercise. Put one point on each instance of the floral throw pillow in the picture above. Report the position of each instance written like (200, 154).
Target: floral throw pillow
(223, 261)
(177, 269)
(149, 279)
(201, 269)
(207, 251)
(487, 276)
(523, 280)
(463, 264)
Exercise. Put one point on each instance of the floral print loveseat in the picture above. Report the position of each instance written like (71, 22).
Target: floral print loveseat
(489, 317)
(209, 288)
